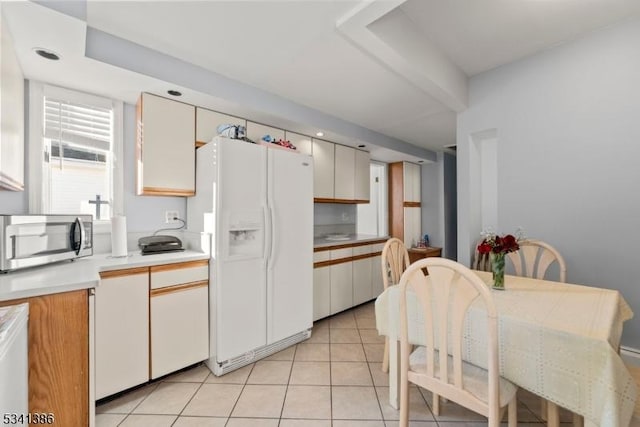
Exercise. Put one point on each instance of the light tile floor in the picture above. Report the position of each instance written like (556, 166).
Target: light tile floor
(334, 379)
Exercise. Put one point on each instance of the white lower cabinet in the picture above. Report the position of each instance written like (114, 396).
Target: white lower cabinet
(163, 309)
(376, 271)
(341, 286)
(361, 275)
(321, 292)
(121, 331)
(355, 277)
(179, 328)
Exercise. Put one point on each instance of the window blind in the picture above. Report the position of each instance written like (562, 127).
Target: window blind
(80, 124)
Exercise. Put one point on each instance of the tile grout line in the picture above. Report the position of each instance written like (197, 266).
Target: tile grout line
(194, 395)
(244, 385)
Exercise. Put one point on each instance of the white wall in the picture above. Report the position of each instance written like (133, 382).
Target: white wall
(568, 142)
(144, 213)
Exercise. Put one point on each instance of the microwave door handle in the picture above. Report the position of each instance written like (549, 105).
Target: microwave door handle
(76, 235)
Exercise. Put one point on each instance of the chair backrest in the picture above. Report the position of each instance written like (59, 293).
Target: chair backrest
(395, 260)
(481, 262)
(444, 297)
(534, 258)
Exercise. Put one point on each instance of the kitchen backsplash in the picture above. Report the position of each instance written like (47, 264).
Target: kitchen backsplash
(331, 218)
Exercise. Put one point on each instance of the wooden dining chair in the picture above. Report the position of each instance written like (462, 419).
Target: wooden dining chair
(481, 262)
(444, 298)
(533, 259)
(395, 260)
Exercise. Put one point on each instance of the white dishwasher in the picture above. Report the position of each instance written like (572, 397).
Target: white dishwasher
(14, 365)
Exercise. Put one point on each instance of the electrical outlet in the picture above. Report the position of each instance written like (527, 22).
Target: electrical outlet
(169, 217)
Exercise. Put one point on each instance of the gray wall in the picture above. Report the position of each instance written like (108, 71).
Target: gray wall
(450, 206)
(568, 130)
(431, 202)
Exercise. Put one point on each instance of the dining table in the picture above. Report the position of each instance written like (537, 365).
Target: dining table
(557, 340)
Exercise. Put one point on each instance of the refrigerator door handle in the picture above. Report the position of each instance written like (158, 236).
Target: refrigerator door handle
(272, 239)
(268, 236)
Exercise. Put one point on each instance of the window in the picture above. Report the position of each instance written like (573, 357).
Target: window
(372, 217)
(75, 146)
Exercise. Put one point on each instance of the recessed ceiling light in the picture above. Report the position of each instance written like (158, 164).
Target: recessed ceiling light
(361, 146)
(174, 93)
(319, 134)
(46, 53)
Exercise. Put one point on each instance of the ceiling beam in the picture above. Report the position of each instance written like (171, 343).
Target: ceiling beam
(380, 29)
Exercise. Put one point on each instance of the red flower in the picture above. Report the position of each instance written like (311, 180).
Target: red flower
(498, 244)
(484, 248)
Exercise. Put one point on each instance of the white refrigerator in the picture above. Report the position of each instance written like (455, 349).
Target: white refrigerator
(256, 204)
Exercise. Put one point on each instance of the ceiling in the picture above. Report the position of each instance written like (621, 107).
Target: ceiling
(388, 73)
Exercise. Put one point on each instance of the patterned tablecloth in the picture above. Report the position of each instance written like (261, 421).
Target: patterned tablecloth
(557, 340)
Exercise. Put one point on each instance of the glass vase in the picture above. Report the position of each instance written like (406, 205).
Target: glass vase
(497, 267)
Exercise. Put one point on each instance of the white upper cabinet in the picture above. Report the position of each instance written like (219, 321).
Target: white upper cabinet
(412, 180)
(207, 123)
(11, 114)
(165, 147)
(362, 176)
(302, 142)
(344, 173)
(323, 169)
(255, 132)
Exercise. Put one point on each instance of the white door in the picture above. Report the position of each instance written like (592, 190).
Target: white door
(239, 276)
(290, 261)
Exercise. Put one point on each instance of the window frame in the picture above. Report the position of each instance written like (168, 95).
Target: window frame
(36, 191)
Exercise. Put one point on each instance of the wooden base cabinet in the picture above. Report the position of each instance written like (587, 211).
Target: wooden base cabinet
(122, 330)
(59, 356)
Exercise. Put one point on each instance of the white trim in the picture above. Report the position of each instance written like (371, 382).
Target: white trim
(36, 109)
(37, 90)
(117, 184)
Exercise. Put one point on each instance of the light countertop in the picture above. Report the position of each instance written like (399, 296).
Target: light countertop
(323, 242)
(83, 273)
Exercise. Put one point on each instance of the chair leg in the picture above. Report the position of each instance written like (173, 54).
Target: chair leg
(436, 405)
(404, 400)
(543, 409)
(513, 412)
(578, 420)
(553, 415)
(385, 359)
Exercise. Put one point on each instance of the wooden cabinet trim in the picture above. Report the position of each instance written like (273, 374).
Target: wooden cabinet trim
(200, 144)
(179, 265)
(178, 288)
(396, 200)
(125, 272)
(158, 191)
(340, 201)
(345, 260)
(349, 245)
(58, 334)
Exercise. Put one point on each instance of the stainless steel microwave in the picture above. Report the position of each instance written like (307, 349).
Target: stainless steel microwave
(31, 240)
